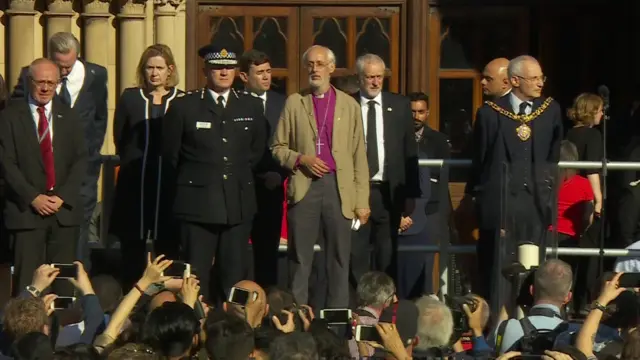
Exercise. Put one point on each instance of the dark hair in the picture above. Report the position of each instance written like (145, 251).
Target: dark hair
(264, 336)
(108, 291)
(77, 352)
(228, 337)
(170, 328)
(419, 96)
(32, 346)
(329, 345)
(297, 345)
(252, 57)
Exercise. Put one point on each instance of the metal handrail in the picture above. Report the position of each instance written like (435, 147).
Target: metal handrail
(613, 165)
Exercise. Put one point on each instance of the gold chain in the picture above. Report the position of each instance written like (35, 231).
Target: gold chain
(521, 118)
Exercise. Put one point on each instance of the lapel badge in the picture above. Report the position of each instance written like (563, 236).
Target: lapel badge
(389, 109)
(60, 116)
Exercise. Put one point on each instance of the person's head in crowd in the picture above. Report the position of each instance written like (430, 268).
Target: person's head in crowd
(263, 337)
(164, 296)
(64, 49)
(623, 312)
(631, 347)
(375, 290)
(526, 77)
(44, 77)
(552, 283)
(279, 300)
(133, 351)
(257, 309)
(495, 82)
(157, 68)
(435, 323)
(404, 314)
(484, 308)
(108, 291)
(173, 330)
(320, 63)
(228, 337)
(255, 71)
(22, 316)
(419, 109)
(328, 344)
(587, 110)
(77, 352)
(294, 346)
(32, 346)
(219, 66)
(371, 71)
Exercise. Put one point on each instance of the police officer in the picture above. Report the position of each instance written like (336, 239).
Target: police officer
(213, 142)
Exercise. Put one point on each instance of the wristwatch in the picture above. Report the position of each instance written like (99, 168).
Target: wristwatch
(32, 289)
(596, 305)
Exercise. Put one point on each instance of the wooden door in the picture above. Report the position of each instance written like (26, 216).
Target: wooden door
(271, 29)
(350, 32)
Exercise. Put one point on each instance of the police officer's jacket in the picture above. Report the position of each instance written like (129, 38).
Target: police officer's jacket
(212, 154)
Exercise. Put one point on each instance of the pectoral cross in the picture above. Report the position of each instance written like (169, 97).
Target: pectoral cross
(318, 146)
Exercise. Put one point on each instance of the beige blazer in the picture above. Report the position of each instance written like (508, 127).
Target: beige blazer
(296, 135)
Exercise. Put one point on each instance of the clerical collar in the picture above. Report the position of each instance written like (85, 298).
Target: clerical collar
(322, 96)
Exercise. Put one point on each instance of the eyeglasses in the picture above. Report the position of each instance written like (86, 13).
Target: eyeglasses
(319, 65)
(45, 83)
(542, 79)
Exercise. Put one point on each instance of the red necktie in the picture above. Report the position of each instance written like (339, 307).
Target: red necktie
(46, 148)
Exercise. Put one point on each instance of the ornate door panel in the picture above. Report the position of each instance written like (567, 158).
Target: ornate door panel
(350, 32)
(271, 29)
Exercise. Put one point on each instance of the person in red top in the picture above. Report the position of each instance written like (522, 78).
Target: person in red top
(575, 215)
(575, 198)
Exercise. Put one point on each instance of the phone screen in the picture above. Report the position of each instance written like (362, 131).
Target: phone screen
(630, 280)
(67, 271)
(63, 302)
(240, 296)
(336, 316)
(176, 270)
(367, 333)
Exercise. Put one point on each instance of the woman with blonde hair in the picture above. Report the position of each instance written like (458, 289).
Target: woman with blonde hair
(141, 213)
(586, 112)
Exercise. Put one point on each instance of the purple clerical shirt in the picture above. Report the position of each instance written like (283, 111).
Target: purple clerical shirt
(324, 109)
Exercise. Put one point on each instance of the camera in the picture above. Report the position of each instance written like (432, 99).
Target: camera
(460, 320)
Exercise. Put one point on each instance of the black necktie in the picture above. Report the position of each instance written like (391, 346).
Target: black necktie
(220, 103)
(523, 108)
(65, 96)
(372, 140)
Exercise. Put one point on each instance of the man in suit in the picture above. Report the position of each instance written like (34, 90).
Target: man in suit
(214, 140)
(84, 89)
(393, 168)
(495, 82)
(44, 158)
(431, 217)
(512, 178)
(319, 139)
(255, 72)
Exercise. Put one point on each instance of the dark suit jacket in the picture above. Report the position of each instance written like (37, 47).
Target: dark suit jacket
(23, 168)
(275, 104)
(91, 105)
(401, 152)
(492, 146)
(213, 154)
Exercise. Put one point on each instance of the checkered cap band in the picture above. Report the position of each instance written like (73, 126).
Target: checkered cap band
(221, 58)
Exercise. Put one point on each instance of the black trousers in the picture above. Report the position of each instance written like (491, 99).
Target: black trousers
(381, 231)
(219, 255)
(89, 197)
(265, 235)
(50, 244)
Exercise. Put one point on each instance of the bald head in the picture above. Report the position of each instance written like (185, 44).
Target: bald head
(45, 76)
(495, 79)
(255, 310)
(161, 298)
(253, 288)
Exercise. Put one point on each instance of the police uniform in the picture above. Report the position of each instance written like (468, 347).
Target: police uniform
(214, 142)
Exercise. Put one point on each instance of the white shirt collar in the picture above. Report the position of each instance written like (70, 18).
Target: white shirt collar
(77, 72)
(225, 95)
(365, 100)
(34, 107)
(516, 101)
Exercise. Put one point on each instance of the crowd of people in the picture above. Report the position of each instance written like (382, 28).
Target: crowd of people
(205, 173)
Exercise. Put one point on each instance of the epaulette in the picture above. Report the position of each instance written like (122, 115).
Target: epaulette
(181, 95)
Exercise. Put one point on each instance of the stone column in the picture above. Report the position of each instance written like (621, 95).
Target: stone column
(22, 25)
(179, 47)
(59, 17)
(165, 16)
(96, 31)
(131, 18)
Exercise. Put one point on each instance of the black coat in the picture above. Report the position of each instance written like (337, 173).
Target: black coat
(401, 152)
(23, 168)
(141, 192)
(91, 105)
(213, 154)
(493, 146)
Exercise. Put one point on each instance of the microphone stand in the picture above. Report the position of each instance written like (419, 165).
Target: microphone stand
(605, 174)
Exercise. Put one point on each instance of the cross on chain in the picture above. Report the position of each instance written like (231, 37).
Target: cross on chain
(319, 143)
